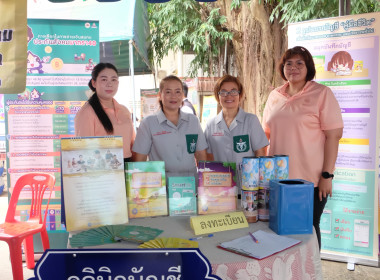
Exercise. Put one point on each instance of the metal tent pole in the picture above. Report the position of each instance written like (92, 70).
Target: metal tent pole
(344, 7)
(132, 73)
(341, 7)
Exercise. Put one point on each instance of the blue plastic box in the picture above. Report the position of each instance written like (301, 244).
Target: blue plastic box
(291, 206)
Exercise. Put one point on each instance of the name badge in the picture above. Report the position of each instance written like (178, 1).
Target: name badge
(191, 143)
(241, 143)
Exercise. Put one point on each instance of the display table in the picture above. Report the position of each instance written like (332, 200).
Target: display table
(299, 262)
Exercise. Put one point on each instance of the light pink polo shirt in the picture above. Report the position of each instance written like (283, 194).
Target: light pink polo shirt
(87, 123)
(296, 123)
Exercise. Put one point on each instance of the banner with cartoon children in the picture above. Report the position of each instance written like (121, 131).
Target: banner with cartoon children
(12, 46)
(346, 55)
(61, 55)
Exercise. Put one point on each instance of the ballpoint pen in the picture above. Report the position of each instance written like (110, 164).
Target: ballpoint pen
(200, 237)
(253, 237)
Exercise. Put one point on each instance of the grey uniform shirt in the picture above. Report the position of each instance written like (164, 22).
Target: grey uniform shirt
(161, 140)
(244, 136)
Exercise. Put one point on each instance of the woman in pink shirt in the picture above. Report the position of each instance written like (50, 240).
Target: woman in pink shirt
(102, 115)
(302, 119)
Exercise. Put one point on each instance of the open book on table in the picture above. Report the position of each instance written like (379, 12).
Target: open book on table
(267, 245)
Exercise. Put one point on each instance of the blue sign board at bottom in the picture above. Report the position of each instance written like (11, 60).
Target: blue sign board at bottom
(123, 264)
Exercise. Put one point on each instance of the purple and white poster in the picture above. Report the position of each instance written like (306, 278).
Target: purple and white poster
(346, 55)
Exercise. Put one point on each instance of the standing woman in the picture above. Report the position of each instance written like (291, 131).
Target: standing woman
(302, 119)
(233, 133)
(171, 135)
(102, 115)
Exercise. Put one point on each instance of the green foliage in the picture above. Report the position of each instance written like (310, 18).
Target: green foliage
(299, 10)
(189, 26)
(199, 28)
(235, 4)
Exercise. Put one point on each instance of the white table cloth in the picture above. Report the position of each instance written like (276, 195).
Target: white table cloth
(299, 262)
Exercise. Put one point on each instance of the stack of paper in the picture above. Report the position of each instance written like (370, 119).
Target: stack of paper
(170, 242)
(267, 244)
(112, 234)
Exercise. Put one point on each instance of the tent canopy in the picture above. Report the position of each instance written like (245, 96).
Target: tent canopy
(119, 23)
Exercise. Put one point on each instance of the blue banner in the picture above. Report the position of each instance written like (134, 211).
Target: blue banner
(153, 264)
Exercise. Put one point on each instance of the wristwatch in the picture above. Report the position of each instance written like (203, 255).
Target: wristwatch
(327, 175)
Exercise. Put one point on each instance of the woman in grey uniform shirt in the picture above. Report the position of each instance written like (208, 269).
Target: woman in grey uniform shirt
(171, 135)
(233, 133)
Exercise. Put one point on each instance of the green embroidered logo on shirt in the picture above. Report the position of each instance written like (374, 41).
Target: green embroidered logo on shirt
(191, 143)
(241, 143)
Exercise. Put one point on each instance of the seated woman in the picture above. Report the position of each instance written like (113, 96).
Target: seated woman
(171, 135)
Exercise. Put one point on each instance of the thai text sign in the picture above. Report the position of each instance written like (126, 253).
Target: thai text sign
(204, 224)
(114, 264)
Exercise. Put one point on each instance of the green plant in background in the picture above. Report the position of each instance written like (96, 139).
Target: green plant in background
(299, 10)
(189, 26)
(253, 33)
(200, 28)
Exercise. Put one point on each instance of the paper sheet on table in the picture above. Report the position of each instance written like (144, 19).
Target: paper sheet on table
(268, 244)
(92, 199)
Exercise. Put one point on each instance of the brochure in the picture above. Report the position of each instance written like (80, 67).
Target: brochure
(216, 187)
(182, 196)
(91, 185)
(146, 189)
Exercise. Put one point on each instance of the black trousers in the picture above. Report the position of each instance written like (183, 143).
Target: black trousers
(318, 210)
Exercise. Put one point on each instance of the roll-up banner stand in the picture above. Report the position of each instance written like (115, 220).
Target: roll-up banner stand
(346, 56)
(61, 55)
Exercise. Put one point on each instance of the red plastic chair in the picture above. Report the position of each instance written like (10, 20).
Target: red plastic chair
(15, 232)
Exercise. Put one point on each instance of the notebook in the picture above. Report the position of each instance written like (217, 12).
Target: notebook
(268, 244)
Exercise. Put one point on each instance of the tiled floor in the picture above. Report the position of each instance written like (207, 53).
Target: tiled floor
(337, 270)
(331, 270)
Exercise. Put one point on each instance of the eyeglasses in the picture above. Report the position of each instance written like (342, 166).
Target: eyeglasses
(233, 92)
(298, 64)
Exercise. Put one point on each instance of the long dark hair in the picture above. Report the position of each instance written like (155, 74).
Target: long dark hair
(94, 99)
